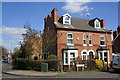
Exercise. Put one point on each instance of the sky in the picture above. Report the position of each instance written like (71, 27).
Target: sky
(16, 14)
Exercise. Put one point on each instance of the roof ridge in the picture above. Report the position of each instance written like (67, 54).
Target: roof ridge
(78, 18)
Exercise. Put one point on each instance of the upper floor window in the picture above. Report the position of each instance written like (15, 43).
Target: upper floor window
(66, 19)
(97, 23)
(69, 38)
(84, 38)
(102, 40)
(90, 39)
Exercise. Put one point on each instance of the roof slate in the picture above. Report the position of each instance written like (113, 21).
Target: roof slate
(79, 24)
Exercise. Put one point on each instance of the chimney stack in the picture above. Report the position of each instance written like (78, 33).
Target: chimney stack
(45, 21)
(103, 24)
(54, 13)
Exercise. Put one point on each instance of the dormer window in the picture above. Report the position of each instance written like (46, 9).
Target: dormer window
(67, 19)
(97, 23)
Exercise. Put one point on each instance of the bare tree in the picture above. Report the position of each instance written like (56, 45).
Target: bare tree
(3, 51)
(49, 43)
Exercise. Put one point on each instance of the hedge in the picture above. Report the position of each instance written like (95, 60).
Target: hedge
(27, 64)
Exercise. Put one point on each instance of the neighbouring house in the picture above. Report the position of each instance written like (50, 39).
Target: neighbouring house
(72, 38)
(33, 46)
(116, 41)
(37, 46)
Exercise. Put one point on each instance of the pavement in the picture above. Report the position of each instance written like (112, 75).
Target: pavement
(81, 74)
(7, 69)
(33, 73)
(8, 72)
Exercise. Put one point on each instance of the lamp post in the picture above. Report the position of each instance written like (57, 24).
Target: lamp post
(107, 51)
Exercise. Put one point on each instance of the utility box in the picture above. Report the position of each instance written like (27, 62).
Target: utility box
(44, 67)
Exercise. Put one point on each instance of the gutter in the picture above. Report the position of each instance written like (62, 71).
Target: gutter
(83, 30)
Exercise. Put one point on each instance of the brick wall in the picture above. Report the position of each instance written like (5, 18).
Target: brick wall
(49, 37)
(62, 41)
(116, 41)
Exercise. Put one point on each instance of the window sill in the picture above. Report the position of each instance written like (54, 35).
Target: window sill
(65, 64)
(90, 45)
(106, 62)
(84, 44)
(102, 45)
(70, 44)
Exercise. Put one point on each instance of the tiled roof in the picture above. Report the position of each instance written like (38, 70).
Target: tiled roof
(79, 24)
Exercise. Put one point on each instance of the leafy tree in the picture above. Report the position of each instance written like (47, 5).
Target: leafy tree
(16, 49)
(32, 42)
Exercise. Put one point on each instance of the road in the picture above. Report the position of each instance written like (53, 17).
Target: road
(83, 75)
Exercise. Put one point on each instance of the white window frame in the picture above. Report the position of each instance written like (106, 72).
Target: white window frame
(64, 57)
(102, 40)
(84, 54)
(84, 38)
(95, 22)
(108, 55)
(64, 16)
(68, 52)
(70, 38)
(90, 39)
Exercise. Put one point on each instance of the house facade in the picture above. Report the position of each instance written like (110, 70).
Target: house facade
(77, 39)
(116, 41)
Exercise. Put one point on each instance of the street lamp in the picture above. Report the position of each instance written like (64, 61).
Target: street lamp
(107, 51)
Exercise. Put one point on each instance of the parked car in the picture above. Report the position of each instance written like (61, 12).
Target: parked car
(116, 62)
(5, 60)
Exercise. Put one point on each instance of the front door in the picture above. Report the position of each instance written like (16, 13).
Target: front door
(91, 55)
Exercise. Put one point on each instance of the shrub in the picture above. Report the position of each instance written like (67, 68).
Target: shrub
(100, 64)
(52, 56)
(27, 64)
(91, 65)
(96, 57)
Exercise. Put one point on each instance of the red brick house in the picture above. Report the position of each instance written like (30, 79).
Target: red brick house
(77, 38)
(116, 41)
